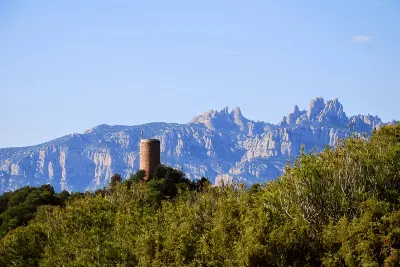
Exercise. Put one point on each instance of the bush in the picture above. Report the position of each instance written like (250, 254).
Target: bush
(339, 207)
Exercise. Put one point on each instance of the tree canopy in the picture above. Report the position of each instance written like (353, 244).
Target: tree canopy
(339, 207)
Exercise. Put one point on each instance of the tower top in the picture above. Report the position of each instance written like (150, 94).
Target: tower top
(150, 140)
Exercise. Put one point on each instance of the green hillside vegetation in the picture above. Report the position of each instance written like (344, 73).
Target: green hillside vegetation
(339, 207)
(18, 207)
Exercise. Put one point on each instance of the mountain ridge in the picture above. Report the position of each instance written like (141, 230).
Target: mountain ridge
(221, 145)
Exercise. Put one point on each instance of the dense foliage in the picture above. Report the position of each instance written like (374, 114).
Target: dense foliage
(335, 208)
(18, 207)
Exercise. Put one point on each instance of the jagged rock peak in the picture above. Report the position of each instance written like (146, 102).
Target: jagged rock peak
(316, 106)
(330, 111)
(213, 119)
(239, 119)
(292, 117)
(333, 112)
(364, 123)
(237, 112)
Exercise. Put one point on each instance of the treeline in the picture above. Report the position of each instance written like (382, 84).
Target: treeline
(18, 207)
(335, 208)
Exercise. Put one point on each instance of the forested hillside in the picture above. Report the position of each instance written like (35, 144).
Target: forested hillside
(339, 207)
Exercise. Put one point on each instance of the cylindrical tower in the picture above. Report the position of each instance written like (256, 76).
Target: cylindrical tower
(149, 155)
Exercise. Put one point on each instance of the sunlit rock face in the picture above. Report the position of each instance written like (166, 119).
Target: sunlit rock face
(221, 145)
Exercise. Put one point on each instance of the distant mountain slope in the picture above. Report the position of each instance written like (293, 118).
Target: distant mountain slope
(220, 145)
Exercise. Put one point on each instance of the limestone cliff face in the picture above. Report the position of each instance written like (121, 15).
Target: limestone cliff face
(221, 145)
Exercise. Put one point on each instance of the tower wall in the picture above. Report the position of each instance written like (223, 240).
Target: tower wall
(149, 155)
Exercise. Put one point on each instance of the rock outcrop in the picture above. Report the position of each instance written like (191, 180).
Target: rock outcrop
(221, 145)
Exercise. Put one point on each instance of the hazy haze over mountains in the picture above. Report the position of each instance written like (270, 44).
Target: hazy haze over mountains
(221, 145)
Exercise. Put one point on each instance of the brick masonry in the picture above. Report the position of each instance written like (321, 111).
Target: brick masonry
(149, 155)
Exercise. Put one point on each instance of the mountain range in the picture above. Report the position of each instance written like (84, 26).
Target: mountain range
(222, 145)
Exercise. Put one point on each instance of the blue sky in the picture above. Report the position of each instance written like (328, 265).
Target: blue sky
(66, 66)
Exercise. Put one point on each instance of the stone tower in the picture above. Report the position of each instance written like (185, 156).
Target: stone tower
(149, 155)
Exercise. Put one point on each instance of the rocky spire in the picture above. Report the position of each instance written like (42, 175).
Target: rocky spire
(316, 105)
(239, 119)
(333, 112)
(292, 117)
(213, 119)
